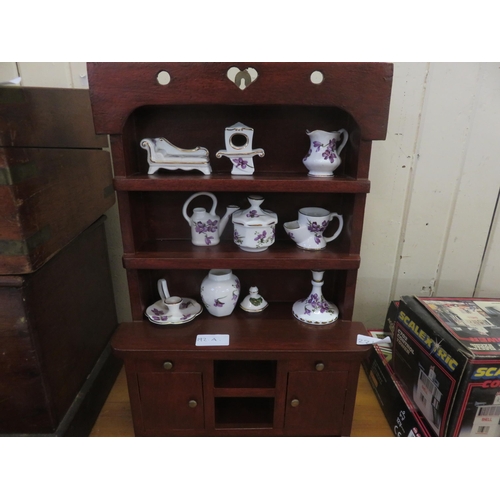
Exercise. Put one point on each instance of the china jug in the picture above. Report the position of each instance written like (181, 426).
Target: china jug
(323, 157)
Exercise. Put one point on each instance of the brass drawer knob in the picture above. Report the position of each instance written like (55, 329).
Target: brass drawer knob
(320, 367)
(192, 403)
(295, 403)
(168, 365)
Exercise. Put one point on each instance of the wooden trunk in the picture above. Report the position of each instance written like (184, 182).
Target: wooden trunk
(57, 309)
(55, 178)
(55, 325)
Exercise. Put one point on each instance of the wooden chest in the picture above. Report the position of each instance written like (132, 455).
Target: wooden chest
(55, 326)
(55, 178)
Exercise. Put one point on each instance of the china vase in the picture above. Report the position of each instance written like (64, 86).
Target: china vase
(220, 291)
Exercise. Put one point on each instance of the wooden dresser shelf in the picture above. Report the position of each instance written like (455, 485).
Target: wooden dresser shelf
(292, 183)
(272, 330)
(282, 255)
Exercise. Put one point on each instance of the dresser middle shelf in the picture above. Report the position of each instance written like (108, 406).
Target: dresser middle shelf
(182, 254)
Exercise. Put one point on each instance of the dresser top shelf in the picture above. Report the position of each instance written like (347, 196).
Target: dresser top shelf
(292, 183)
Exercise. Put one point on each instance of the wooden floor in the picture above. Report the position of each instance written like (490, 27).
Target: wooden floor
(115, 419)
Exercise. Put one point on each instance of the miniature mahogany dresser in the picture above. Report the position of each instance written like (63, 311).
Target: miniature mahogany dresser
(57, 309)
(278, 375)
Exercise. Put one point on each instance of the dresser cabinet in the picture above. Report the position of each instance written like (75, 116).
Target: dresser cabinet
(268, 381)
(277, 376)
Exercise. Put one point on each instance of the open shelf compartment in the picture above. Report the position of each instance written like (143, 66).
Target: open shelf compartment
(248, 413)
(230, 373)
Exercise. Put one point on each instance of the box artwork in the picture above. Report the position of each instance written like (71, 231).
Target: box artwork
(447, 356)
(391, 317)
(398, 409)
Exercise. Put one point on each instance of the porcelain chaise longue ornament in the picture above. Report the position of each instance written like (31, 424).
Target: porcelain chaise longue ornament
(163, 154)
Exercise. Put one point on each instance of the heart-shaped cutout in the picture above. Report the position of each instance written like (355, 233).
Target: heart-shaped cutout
(242, 78)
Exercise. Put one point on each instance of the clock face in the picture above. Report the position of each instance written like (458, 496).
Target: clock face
(238, 141)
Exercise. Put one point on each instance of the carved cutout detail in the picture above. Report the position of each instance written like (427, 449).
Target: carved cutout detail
(242, 78)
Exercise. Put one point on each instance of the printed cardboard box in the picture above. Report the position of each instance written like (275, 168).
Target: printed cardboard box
(398, 409)
(391, 317)
(446, 353)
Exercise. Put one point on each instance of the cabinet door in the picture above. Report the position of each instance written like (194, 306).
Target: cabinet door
(315, 402)
(171, 401)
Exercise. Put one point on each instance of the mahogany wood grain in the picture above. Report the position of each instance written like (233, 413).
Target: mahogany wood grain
(57, 308)
(261, 182)
(62, 192)
(193, 110)
(55, 179)
(115, 418)
(54, 325)
(281, 255)
(362, 89)
(33, 117)
(271, 331)
(247, 400)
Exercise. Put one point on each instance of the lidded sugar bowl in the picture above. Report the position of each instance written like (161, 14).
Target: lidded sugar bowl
(254, 227)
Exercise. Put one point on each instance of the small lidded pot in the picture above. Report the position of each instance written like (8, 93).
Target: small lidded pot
(253, 302)
(254, 228)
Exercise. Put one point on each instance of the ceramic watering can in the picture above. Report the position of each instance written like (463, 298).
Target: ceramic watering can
(323, 157)
(206, 227)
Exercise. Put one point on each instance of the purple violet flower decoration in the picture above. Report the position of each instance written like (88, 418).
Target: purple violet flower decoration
(208, 240)
(252, 214)
(200, 228)
(218, 303)
(211, 226)
(328, 154)
(240, 163)
(317, 145)
(261, 237)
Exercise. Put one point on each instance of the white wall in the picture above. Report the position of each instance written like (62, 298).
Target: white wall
(435, 184)
(430, 226)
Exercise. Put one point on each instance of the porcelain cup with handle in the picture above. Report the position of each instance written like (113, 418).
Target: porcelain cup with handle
(307, 231)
